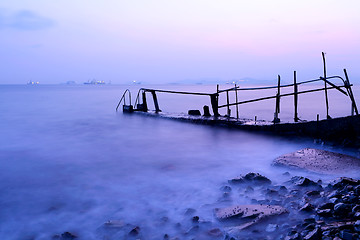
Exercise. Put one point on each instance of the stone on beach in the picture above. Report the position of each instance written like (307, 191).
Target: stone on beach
(319, 161)
(250, 214)
(251, 178)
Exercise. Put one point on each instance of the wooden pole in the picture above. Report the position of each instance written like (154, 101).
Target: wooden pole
(228, 102)
(156, 104)
(296, 119)
(326, 95)
(237, 105)
(353, 103)
(145, 108)
(277, 105)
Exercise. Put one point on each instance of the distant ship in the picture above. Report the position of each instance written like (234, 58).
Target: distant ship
(94, 82)
(33, 83)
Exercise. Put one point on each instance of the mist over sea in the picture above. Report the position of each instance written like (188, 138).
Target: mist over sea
(70, 162)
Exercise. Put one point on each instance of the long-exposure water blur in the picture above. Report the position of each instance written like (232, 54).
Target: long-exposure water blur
(70, 162)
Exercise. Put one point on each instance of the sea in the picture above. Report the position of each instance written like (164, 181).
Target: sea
(69, 162)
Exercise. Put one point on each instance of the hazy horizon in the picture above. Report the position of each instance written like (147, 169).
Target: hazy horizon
(158, 41)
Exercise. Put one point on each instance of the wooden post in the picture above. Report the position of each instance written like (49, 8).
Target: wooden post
(296, 119)
(145, 108)
(348, 87)
(237, 105)
(156, 104)
(277, 105)
(326, 95)
(278, 102)
(215, 104)
(227, 101)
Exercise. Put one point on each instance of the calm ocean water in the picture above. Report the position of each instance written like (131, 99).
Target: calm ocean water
(69, 162)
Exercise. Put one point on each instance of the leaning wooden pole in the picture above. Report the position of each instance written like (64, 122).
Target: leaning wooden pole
(296, 119)
(348, 86)
(326, 95)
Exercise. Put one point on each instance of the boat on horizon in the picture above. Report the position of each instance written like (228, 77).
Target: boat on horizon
(94, 82)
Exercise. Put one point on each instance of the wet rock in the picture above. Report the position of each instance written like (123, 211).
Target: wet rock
(324, 213)
(335, 226)
(68, 236)
(315, 234)
(326, 206)
(334, 194)
(351, 199)
(249, 211)
(314, 193)
(357, 226)
(309, 220)
(357, 190)
(304, 182)
(334, 200)
(135, 231)
(251, 178)
(356, 208)
(195, 219)
(249, 214)
(357, 215)
(344, 181)
(342, 209)
(309, 227)
(295, 236)
(271, 193)
(307, 208)
(345, 235)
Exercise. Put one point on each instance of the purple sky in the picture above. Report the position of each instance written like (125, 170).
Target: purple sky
(162, 41)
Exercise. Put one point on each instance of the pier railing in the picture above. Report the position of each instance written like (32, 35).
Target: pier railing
(344, 88)
(345, 84)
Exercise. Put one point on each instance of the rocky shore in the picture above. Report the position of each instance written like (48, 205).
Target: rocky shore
(299, 208)
(309, 209)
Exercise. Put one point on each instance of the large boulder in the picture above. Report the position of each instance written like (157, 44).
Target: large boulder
(320, 161)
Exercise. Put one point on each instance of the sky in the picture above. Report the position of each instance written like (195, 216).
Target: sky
(167, 41)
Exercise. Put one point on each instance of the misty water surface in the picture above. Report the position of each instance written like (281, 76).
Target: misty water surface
(69, 162)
